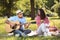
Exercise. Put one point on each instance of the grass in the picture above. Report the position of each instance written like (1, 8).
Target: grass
(32, 27)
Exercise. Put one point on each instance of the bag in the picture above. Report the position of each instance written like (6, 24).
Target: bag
(59, 30)
(53, 28)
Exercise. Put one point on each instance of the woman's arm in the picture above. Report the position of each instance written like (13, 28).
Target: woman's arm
(37, 19)
(42, 21)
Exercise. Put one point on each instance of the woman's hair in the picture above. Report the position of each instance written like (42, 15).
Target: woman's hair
(42, 14)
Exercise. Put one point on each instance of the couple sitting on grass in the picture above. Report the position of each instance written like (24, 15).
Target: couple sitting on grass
(17, 25)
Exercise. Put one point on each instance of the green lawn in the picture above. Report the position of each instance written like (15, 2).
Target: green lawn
(32, 27)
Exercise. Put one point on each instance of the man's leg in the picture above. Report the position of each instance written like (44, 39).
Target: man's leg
(27, 31)
(19, 33)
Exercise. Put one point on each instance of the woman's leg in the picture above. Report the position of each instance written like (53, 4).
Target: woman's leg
(42, 30)
(39, 31)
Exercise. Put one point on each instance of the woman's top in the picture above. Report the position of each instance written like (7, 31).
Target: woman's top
(38, 20)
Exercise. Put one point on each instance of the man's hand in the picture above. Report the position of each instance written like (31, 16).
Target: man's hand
(17, 22)
(27, 25)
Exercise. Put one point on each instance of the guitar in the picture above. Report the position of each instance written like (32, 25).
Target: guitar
(13, 26)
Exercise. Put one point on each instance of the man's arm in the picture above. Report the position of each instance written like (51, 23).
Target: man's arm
(27, 24)
(11, 23)
(7, 22)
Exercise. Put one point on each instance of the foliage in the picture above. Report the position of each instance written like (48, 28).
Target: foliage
(56, 8)
(7, 6)
(13, 5)
(50, 3)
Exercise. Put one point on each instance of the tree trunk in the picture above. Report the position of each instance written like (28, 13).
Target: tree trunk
(32, 9)
(58, 12)
(7, 12)
(58, 0)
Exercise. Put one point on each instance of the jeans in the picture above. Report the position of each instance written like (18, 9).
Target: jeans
(18, 32)
(43, 30)
(22, 31)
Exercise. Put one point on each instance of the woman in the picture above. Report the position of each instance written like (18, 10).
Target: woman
(42, 23)
(41, 16)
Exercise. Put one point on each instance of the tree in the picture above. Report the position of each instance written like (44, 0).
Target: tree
(32, 9)
(56, 8)
(7, 5)
(49, 3)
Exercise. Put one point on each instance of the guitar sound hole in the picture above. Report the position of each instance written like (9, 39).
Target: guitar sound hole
(14, 27)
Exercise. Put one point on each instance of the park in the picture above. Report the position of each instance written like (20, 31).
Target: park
(29, 7)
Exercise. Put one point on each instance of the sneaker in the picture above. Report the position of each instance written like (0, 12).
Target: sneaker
(17, 35)
(24, 35)
(10, 34)
(32, 33)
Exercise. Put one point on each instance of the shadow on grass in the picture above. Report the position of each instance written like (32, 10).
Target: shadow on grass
(55, 18)
(38, 38)
(1, 23)
(31, 38)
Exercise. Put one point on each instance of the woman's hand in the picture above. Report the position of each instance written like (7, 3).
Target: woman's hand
(42, 21)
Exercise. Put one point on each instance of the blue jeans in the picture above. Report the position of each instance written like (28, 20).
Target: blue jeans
(22, 32)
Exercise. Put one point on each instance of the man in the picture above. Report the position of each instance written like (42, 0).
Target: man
(17, 24)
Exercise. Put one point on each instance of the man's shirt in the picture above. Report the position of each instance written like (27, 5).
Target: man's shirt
(16, 18)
